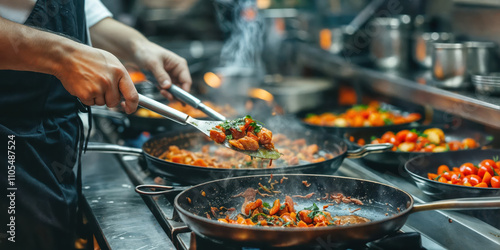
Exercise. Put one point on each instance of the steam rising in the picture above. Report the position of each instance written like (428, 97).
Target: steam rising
(243, 49)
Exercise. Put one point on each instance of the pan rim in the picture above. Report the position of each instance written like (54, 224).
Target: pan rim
(184, 212)
(340, 141)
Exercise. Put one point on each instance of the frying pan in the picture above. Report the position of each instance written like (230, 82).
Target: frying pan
(387, 207)
(392, 160)
(340, 131)
(193, 141)
(419, 167)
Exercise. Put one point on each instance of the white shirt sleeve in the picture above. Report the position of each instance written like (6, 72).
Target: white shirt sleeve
(95, 11)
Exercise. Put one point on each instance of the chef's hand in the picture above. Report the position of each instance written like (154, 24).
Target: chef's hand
(131, 46)
(166, 66)
(97, 77)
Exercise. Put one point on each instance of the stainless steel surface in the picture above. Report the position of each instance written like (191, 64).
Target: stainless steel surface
(195, 102)
(449, 65)
(423, 46)
(480, 57)
(295, 94)
(465, 104)
(369, 149)
(389, 41)
(117, 216)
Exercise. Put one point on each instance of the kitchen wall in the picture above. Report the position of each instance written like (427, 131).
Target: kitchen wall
(468, 21)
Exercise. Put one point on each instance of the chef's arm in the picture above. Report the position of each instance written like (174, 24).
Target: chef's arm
(79, 67)
(130, 45)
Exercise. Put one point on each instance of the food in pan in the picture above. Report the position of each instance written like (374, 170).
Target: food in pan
(256, 212)
(243, 133)
(193, 112)
(485, 174)
(429, 140)
(293, 152)
(371, 115)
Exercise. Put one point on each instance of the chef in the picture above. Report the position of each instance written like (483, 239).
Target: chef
(48, 74)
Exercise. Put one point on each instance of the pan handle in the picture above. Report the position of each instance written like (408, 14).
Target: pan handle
(369, 149)
(112, 149)
(152, 189)
(459, 204)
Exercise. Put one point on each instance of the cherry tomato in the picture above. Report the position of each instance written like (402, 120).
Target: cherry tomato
(456, 178)
(472, 179)
(468, 169)
(454, 145)
(449, 174)
(401, 135)
(442, 169)
(495, 181)
(411, 137)
(429, 148)
(469, 143)
(483, 169)
(488, 164)
(498, 164)
(393, 140)
(387, 136)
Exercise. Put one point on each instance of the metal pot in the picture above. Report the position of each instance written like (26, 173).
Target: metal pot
(449, 65)
(389, 45)
(423, 45)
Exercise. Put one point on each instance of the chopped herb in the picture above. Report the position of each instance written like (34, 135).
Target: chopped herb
(466, 147)
(495, 158)
(229, 137)
(447, 147)
(388, 121)
(257, 129)
(286, 224)
(266, 205)
(314, 207)
(309, 115)
(373, 138)
(437, 178)
(282, 207)
(248, 163)
(489, 138)
(281, 219)
(256, 217)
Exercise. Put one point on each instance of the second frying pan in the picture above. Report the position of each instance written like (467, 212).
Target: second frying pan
(192, 141)
(387, 207)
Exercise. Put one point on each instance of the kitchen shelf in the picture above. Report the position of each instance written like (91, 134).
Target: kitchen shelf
(414, 86)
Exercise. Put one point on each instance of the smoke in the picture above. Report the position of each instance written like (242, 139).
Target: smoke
(243, 48)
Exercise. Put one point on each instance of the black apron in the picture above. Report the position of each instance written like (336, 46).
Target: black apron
(41, 118)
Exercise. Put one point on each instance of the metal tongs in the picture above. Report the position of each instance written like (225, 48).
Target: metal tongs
(201, 125)
(196, 103)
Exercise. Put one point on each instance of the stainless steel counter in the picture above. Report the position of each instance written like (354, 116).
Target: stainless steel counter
(413, 86)
(118, 216)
